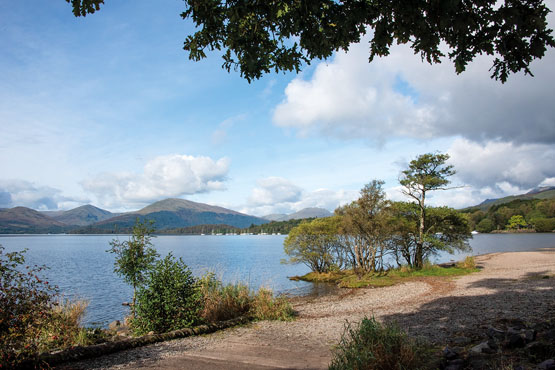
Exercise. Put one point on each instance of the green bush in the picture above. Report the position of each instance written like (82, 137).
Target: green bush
(169, 299)
(371, 345)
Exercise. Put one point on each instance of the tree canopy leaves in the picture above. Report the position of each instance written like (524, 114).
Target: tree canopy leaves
(258, 37)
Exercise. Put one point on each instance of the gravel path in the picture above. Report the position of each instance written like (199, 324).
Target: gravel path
(510, 285)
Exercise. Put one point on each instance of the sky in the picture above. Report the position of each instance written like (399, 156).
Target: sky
(108, 110)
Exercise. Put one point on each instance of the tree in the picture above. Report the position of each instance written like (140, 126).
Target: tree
(445, 230)
(134, 257)
(516, 222)
(428, 172)
(282, 35)
(485, 226)
(314, 243)
(364, 227)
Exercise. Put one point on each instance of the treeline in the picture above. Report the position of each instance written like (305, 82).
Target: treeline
(273, 227)
(523, 214)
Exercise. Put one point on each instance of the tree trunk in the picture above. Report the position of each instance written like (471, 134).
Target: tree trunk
(418, 258)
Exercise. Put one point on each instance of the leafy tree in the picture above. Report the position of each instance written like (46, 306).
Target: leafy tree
(445, 229)
(364, 228)
(485, 226)
(516, 222)
(169, 299)
(426, 173)
(544, 225)
(281, 35)
(314, 244)
(134, 257)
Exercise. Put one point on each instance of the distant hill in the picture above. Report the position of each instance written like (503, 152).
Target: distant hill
(81, 216)
(177, 213)
(539, 193)
(275, 216)
(303, 213)
(20, 220)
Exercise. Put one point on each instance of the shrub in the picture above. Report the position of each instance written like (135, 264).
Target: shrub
(25, 302)
(169, 299)
(31, 321)
(371, 345)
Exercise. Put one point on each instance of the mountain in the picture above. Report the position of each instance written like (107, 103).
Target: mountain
(175, 213)
(538, 193)
(303, 213)
(81, 216)
(275, 216)
(19, 220)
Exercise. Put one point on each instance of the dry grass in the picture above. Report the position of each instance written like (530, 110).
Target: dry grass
(224, 302)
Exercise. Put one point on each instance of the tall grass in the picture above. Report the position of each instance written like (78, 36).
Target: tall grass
(371, 345)
(224, 302)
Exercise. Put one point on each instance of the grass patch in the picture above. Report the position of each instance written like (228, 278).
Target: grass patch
(371, 345)
(350, 279)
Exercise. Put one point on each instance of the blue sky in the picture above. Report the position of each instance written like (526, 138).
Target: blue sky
(108, 110)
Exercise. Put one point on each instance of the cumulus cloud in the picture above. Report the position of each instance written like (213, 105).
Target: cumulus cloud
(164, 176)
(505, 165)
(400, 96)
(274, 190)
(15, 193)
(279, 195)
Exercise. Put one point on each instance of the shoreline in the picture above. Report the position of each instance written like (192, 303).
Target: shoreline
(510, 285)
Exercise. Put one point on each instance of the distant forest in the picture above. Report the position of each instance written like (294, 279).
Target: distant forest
(521, 214)
(273, 227)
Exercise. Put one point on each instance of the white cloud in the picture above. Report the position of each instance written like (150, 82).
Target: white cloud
(279, 195)
(506, 165)
(400, 96)
(164, 176)
(15, 193)
(274, 190)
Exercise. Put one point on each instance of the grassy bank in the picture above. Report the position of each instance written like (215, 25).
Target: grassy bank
(350, 279)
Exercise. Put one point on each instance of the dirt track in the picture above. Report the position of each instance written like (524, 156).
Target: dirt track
(510, 285)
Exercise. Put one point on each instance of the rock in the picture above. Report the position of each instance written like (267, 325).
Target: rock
(449, 354)
(480, 348)
(476, 361)
(492, 343)
(547, 365)
(461, 341)
(495, 333)
(457, 364)
(530, 335)
(539, 350)
(515, 341)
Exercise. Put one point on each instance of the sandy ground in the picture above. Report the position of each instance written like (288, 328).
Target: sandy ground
(510, 285)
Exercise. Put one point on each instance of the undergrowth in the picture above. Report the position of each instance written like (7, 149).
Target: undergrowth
(371, 345)
(223, 302)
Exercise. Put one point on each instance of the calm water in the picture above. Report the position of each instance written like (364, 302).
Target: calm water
(81, 267)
